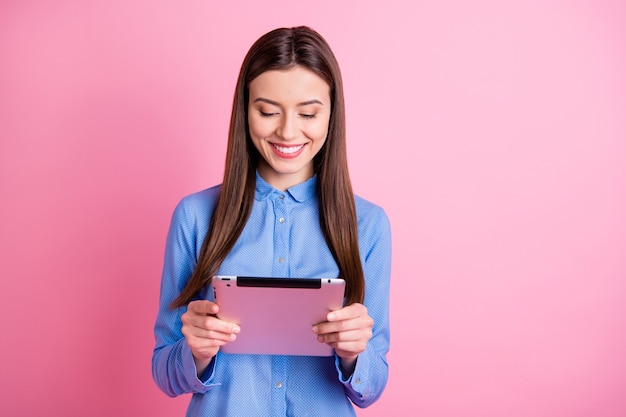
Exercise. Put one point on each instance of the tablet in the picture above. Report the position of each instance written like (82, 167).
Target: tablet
(276, 314)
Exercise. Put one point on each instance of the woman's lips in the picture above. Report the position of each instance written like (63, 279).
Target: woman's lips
(288, 151)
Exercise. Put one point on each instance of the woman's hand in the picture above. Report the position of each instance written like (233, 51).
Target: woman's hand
(347, 330)
(205, 333)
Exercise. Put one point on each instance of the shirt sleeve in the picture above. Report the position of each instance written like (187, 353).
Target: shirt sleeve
(367, 382)
(173, 367)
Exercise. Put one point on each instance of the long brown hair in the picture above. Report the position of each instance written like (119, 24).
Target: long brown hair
(282, 49)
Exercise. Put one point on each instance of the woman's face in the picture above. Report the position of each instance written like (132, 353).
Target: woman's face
(288, 116)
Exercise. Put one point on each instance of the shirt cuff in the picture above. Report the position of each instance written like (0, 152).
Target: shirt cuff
(357, 381)
(205, 382)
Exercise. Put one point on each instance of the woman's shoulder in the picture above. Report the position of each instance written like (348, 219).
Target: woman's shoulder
(199, 204)
(366, 207)
(368, 212)
(372, 223)
(203, 197)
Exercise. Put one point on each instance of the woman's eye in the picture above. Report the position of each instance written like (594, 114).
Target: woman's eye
(308, 116)
(264, 114)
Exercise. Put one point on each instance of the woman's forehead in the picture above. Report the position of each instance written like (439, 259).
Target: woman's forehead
(297, 84)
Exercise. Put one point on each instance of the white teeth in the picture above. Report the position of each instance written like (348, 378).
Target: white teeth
(291, 149)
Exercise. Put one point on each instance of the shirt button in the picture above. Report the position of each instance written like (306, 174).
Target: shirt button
(279, 384)
(281, 220)
(358, 380)
(282, 196)
(281, 260)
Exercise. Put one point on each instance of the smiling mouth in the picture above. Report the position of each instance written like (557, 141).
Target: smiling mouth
(287, 149)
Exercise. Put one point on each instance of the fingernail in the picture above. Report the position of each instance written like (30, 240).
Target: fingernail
(315, 329)
(320, 338)
(236, 329)
(331, 316)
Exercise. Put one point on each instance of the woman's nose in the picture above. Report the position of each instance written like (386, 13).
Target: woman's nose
(288, 128)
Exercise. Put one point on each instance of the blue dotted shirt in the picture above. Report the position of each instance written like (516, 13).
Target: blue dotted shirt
(281, 239)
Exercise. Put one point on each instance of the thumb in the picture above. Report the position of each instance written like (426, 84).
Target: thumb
(203, 307)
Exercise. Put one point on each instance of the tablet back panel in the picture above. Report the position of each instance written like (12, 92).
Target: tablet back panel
(276, 314)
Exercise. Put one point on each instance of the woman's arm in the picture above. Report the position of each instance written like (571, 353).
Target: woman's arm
(360, 332)
(174, 368)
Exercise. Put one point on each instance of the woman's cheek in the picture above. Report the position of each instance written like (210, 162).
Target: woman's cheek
(259, 129)
(320, 133)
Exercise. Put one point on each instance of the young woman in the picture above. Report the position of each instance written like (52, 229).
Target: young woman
(285, 208)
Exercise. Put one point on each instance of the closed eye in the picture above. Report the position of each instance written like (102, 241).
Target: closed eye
(307, 116)
(264, 114)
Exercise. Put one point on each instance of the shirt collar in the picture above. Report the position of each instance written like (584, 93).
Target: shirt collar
(299, 192)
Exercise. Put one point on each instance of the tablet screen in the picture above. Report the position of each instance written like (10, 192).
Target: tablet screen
(276, 314)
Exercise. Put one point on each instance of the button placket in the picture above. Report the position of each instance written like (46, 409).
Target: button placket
(281, 237)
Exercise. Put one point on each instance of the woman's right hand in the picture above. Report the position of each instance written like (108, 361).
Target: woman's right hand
(205, 333)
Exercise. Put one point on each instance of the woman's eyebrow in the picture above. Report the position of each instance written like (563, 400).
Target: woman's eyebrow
(314, 101)
(274, 103)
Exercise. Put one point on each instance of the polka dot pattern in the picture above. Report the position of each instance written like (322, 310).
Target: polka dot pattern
(281, 239)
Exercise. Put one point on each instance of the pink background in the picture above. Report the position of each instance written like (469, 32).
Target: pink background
(494, 134)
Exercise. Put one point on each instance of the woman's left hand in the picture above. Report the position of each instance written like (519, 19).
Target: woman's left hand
(347, 330)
